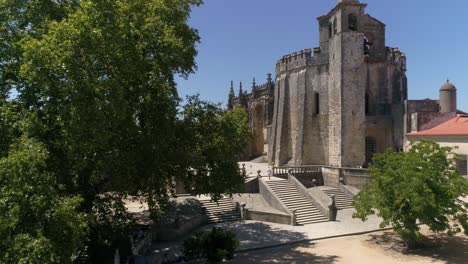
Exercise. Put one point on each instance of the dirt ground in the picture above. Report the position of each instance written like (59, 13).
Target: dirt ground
(381, 247)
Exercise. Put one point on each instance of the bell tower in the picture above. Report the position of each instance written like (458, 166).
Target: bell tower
(347, 77)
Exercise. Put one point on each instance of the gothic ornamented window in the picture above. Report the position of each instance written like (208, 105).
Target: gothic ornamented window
(352, 22)
(371, 148)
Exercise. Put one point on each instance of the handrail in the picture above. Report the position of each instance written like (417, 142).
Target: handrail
(296, 170)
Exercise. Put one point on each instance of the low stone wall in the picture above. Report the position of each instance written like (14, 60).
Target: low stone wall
(355, 177)
(307, 179)
(331, 176)
(264, 216)
(350, 191)
(358, 178)
(251, 186)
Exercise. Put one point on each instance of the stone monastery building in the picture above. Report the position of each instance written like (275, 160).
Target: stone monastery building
(338, 104)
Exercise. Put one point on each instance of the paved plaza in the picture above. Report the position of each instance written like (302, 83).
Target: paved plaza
(254, 234)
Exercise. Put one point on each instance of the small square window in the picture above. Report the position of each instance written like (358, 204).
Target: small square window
(462, 165)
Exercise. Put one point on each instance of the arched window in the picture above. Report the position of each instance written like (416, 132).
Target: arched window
(317, 103)
(371, 146)
(352, 22)
(367, 104)
(335, 26)
(330, 29)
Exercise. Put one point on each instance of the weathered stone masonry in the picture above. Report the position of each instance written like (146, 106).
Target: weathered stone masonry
(334, 105)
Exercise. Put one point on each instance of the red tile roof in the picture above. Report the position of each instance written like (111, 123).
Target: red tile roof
(457, 126)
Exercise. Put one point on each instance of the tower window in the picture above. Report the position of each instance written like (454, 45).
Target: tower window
(366, 46)
(335, 26)
(317, 103)
(330, 29)
(352, 22)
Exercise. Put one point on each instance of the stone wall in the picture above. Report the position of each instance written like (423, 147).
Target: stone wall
(355, 177)
(331, 176)
(335, 79)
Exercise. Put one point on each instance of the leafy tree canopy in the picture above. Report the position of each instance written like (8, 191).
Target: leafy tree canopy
(420, 186)
(103, 81)
(212, 140)
(37, 224)
(96, 92)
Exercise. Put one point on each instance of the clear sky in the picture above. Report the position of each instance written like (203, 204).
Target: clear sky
(242, 39)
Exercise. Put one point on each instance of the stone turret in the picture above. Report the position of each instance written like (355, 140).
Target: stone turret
(242, 96)
(254, 86)
(448, 98)
(231, 97)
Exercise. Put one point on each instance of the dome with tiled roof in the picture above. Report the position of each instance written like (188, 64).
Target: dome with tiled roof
(447, 86)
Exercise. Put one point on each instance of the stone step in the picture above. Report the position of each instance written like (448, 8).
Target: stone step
(219, 207)
(291, 197)
(341, 199)
(296, 204)
(311, 219)
(306, 212)
(221, 211)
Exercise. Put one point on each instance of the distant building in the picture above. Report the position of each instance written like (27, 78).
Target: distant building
(439, 120)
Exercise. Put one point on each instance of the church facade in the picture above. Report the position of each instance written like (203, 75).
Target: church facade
(333, 105)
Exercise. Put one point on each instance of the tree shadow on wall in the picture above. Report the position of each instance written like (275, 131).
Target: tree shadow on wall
(283, 254)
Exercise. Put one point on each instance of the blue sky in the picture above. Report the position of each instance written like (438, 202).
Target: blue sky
(242, 39)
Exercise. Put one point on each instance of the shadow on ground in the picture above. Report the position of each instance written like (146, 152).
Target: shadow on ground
(287, 254)
(255, 235)
(441, 247)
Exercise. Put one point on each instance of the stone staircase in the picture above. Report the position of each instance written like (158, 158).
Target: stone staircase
(221, 211)
(306, 212)
(341, 199)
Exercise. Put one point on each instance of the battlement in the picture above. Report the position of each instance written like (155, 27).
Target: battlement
(300, 59)
(301, 55)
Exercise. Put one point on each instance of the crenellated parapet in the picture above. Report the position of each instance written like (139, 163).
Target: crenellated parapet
(300, 59)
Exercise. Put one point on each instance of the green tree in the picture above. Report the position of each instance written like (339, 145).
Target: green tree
(98, 78)
(212, 140)
(420, 186)
(37, 224)
(18, 20)
(103, 83)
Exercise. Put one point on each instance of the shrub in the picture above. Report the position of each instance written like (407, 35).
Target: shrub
(214, 246)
